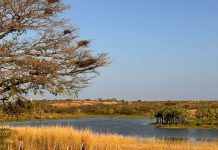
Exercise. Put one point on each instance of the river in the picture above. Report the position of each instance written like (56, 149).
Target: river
(137, 127)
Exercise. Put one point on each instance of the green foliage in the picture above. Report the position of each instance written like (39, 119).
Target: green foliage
(19, 106)
(26, 104)
(11, 108)
(171, 115)
(207, 115)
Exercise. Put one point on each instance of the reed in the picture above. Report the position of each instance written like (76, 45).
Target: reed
(68, 138)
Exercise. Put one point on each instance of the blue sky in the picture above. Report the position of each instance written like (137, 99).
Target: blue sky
(161, 49)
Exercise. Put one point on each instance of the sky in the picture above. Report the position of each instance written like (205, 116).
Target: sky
(160, 49)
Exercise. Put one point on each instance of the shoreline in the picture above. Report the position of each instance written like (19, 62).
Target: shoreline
(164, 126)
(76, 117)
(185, 126)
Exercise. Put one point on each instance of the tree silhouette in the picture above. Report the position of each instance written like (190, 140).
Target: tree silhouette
(39, 50)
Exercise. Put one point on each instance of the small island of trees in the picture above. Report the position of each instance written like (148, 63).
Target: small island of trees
(171, 116)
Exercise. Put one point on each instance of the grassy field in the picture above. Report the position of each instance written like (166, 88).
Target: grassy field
(60, 138)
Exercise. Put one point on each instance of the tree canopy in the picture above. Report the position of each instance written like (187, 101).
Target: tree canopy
(171, 115)
(40, 50)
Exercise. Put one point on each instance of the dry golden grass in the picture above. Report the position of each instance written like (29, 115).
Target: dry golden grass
(192, 112)
(67, 138)
(67, 104)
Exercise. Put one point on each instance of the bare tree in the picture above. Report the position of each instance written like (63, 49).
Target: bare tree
(39, 50)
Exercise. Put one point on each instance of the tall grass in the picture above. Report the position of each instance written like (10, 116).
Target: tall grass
(67, 138)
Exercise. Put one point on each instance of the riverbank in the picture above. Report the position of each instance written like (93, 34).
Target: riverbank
(192, 125)
(67, 116)
(49, 138)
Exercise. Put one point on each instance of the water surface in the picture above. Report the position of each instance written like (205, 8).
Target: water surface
(137, 127)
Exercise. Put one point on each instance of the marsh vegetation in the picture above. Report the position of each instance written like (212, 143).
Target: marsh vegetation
(56, 138)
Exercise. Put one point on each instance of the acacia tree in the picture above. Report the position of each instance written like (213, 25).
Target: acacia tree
(40, 50)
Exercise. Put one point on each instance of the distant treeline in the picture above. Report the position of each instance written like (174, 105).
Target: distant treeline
(127, 107)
